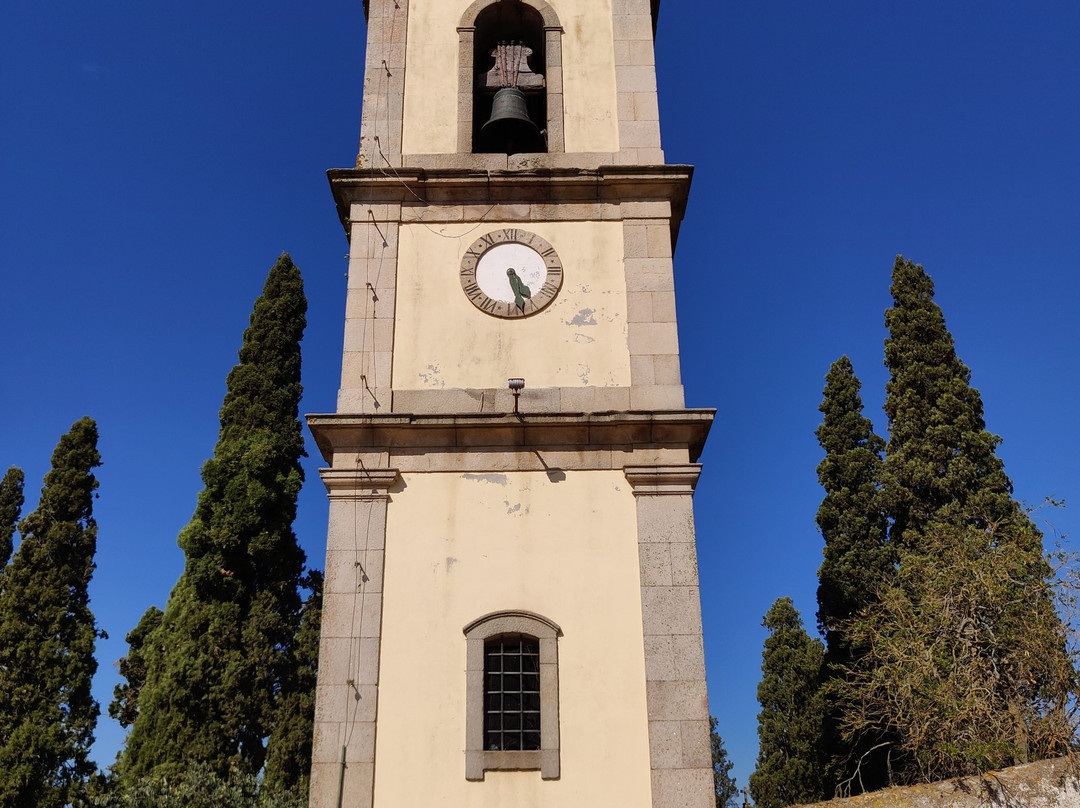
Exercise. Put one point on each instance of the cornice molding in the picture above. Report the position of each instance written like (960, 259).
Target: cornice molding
(663, 480)
(655, 5)
(413, 187)
(358, 483)
(509, 432)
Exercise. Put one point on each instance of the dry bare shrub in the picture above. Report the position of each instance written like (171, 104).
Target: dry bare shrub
(970, 656)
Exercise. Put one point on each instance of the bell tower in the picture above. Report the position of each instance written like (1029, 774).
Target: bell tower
(511, 610)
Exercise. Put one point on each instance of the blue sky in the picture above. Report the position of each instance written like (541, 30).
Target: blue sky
(156, 158)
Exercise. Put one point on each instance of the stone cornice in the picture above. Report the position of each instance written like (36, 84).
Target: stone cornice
(661, 480)
(359, 483)
(655, 5)
(508, 432)
(457, 186)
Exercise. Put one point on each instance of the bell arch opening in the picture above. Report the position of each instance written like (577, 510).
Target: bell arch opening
(510, 91)
(510, 98)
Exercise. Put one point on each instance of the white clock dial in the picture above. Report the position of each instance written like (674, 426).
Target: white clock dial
(511, 273)
(492, 276)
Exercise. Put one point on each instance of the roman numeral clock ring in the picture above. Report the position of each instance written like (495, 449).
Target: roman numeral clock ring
(511, 273)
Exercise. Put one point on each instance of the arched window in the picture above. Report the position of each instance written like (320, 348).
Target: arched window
(511, 63)
(512, 694)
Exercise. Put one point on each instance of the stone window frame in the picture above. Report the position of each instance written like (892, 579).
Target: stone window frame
(553, 32)
(546, 758)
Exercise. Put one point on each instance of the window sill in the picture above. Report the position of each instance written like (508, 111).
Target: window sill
(478, 762)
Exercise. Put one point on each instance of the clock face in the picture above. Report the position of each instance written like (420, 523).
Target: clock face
(511, 273)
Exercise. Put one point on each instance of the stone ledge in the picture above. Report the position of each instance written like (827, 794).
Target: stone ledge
(349, 483)
(654, 5)
(438, 432)
(418, 186)
(657, 480)
(1044, 784)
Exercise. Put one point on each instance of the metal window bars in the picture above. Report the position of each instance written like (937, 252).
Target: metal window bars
(512, 693)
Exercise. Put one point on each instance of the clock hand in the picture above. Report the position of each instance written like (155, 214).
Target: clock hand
(518, 287)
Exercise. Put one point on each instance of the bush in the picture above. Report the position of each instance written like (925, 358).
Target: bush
(199, 788)
(967, 665)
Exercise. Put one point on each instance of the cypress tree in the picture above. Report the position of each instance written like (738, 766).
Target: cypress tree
(945, 489)
(288, 759)
(125, 704)
(941, 468)
(215, 666)
(857, 557)
(852, 523)
(11, 502)
(47, 632)
(790, 764)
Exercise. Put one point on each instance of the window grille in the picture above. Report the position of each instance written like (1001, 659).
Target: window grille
(512, 694)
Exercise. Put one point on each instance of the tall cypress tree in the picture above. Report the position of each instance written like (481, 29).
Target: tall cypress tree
(946, 487)
(941, 468)
(288, 760)
(216, 664)
(11, 502)
(852, 522)
(47, 633)
(791, 761)
(857, 557)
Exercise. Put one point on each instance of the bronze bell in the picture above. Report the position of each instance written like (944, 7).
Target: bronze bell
(510, 130)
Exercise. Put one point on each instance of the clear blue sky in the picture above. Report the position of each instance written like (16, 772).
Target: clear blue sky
(155, 158)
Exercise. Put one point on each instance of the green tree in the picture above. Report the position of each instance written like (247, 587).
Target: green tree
(125, 704)
(850, 518)
(214, 671)
(11, 502)
(943, 483)
(857, 556)
(723, 783)
(47, 633)
(941, 466)
(288, 760)
(790, 762)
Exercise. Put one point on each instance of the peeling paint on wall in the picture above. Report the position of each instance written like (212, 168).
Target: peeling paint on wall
(430, 378)
(497, 479)
(584, 317)
(515, 509)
